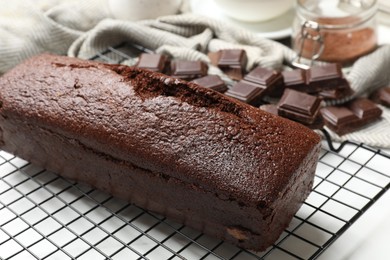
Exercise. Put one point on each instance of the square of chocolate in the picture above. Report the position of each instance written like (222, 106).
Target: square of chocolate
(320, 77)
(342, 91)
(340, 119)
(188, 70)
(273, 109)
(213, 82)
(262, 76)
(271, 80)
(351, 116)
(338, 116)
(364, 108)
(295, 79)
(381, 96)
(152, 61)
(299, 106)
(232, 58)
(246, 92)
(232, 62)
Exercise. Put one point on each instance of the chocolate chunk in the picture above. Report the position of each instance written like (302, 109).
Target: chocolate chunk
(234, 73)
(213, 82)
(271, 81)
(188, 70)
(338, 115)
(295, 79)
(351, 116)
(232, 58)
(381, 96)
(246, 92)
(326, 82)
(341, 120)
(340, 92)
(299, 106)
(153, 62)
(322, 77)
(264, 76)
(232, 62)
(266, 81)
(364, 108)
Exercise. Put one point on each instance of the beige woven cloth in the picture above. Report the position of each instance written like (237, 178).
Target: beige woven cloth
(84, 28)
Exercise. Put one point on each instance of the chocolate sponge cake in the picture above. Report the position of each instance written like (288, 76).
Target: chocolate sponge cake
(213, 163)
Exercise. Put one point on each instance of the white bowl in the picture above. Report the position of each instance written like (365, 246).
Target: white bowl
(254, 10)
(143, 9)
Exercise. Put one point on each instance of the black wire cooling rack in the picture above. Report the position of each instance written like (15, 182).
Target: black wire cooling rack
(44, 216)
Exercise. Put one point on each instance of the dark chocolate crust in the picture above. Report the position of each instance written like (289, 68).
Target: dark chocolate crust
(213, 163)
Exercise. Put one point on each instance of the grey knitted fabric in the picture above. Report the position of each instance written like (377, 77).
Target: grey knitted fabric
(29, 27)
(84, 28)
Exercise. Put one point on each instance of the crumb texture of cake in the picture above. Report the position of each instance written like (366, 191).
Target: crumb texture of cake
(211, 162)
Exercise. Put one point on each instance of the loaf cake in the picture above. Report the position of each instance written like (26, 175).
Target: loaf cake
(220, 166)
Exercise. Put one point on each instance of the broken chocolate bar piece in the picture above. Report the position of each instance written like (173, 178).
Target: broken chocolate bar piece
(320, 77)
(295, 79)
(340, 92)
(339, 119)
(270, 80)
(152, 61)
(213, 82)
(246, 92)
(234, 73)
(332, 85)
(364, 108)
(188, 70)
(351, 116)
(231, 61)
(381, 96)
(299, 106)
(232, 58)
(266, 81)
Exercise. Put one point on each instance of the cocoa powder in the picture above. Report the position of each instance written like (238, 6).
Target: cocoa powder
(343, 39)
(343, 46)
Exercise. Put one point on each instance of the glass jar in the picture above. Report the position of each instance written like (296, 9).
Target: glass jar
(334, 30)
